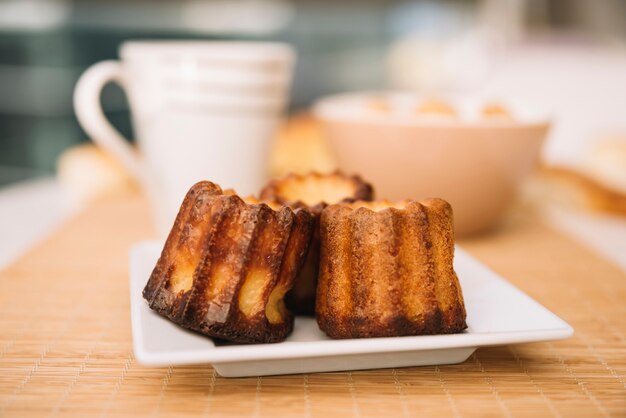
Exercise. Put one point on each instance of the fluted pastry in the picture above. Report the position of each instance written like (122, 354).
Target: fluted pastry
(313, 191)
(227, 265)
(386, 270)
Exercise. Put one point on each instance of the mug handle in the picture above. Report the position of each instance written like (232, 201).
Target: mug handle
(94, 122)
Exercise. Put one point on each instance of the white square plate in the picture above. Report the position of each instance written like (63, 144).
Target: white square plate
(497, 313)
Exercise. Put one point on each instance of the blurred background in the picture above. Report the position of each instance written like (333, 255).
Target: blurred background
(569, 55)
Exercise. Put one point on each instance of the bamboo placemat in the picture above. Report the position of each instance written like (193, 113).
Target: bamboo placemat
(65, 342)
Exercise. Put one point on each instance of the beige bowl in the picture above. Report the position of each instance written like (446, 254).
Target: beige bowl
(477, 163)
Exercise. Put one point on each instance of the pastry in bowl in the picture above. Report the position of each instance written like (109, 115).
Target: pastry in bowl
(227, 265)
(313, 191)
(436, 107)
(496, 111)
(386, 270)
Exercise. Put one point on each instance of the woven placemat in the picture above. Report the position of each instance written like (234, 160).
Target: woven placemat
(65, 342)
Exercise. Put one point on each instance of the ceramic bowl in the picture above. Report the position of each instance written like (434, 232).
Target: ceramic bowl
(476, 162)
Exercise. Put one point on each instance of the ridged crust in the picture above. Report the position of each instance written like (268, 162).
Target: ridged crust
(388, 272)
(227, 265)
(328, 188)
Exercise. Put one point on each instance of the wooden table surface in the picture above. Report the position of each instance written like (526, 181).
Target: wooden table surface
(66, 348)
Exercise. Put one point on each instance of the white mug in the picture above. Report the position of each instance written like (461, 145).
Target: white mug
(200, 110)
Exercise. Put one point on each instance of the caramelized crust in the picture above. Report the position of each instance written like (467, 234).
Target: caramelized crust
(387, 271)
(313, 191)
(227, 265)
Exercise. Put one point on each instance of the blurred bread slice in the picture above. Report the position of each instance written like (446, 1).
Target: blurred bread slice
(606, 163)
(572, 188)
(598, 184)
(88, 174)
(300, 147)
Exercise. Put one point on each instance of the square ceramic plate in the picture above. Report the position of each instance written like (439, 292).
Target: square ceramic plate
(497, 313)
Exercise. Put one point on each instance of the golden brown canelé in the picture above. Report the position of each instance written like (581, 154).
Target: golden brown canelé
(227, 265)
(386, 270)
(313, 191)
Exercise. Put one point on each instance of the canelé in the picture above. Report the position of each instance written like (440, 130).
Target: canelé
(386, 270)
(227, 265)
(313, 191)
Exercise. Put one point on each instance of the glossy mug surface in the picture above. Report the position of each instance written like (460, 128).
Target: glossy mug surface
(201, 110)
